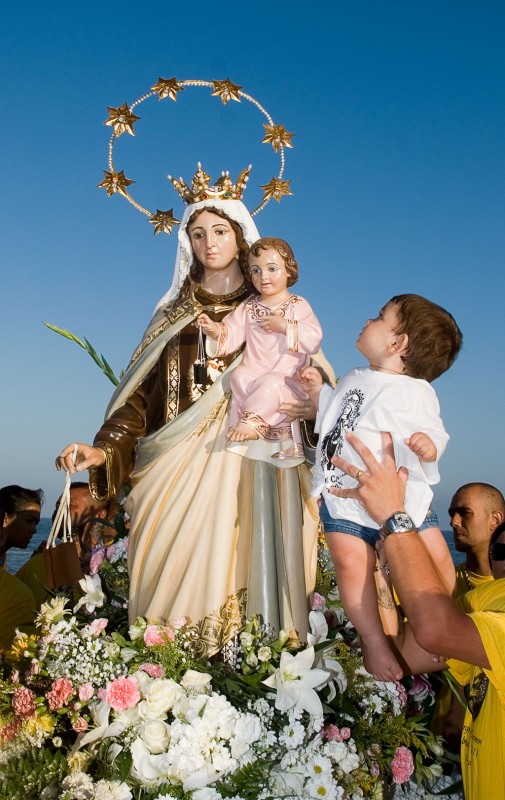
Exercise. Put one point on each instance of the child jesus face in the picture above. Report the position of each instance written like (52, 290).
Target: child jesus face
(269, 275)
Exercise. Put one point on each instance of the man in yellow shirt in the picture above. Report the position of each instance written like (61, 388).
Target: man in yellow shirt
(475, 512)
(19, 517)
(469, 632)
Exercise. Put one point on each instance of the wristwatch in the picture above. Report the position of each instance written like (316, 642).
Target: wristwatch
(399, 522)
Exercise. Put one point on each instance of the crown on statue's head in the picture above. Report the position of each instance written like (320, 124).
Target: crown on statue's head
(202, 189)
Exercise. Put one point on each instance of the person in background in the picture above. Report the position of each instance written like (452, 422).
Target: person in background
(84, 511)
(475, 512)
(468, 631)
(19, 516)
(22, 515)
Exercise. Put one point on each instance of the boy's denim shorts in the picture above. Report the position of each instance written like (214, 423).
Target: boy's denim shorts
(369, 535)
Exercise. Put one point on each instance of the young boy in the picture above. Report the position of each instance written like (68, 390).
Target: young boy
(408, 345)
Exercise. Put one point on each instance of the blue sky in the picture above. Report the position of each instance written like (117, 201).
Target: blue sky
(397, 174)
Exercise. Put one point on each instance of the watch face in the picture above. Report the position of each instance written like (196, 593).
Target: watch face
(399, 522)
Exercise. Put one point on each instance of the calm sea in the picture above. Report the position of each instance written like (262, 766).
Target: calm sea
(16, 558)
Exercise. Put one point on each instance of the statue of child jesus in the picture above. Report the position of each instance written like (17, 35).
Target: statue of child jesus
(280, 332)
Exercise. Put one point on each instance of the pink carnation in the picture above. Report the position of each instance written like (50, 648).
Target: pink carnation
(97, 626)
(60, 692)
(153, 670)
(23, 702)
(96, 560)
(402, 765)
(122, 693)
(402, 693)
(86, 692)
(80, 725)
(157, 634)
(10, 731)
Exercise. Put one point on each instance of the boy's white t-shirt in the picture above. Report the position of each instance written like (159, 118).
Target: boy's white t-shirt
(367, 402)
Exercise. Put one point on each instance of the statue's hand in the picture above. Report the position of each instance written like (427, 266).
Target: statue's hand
(85, 457)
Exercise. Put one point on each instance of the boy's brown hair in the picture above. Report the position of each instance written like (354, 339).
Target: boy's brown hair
(434, 337)
(284, 250)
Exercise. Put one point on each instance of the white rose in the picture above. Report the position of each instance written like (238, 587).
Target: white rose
(137, 630)
(111, 650)
(196, 682)
(246, 639)
(128, 717)
(143, 681)
(156, 735)
(159, 698)
(264, 653)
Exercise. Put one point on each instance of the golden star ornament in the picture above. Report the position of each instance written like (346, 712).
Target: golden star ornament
(226, 90)
(276, 189)
(115, 182)
(167, 87)
(164, 221)
(277, 136)
(121, 119)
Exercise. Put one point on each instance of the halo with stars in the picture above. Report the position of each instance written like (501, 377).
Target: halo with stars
(122, 120)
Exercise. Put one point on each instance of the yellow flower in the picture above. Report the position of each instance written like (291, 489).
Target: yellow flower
(22, 647)
(45, 722)
(78, 762)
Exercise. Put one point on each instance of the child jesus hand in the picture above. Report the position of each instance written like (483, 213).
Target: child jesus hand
(311, 381)
(422, 446)
(208, 326)
(273, 324)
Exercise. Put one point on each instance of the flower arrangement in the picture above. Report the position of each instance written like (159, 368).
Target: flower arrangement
(88, 712)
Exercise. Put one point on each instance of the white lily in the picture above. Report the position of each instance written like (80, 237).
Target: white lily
(319, 633)
(295, 682)
(93, 597)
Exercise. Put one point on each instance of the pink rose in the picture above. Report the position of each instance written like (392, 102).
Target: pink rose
(23, 702)
(402, 765)
(122, 693)
(35, 667)
(179, 622)
(61, 690)
(80, 725)
(345, 734)
(374, 769)
(157, 634)
(318, 602)
(153, 670)
(86, 692)
(332, 734)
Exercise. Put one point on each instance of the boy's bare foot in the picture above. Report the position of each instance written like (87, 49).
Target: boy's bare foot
(379, 659)
(241, 433)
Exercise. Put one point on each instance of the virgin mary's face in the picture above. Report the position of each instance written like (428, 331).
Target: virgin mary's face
(213, 241)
